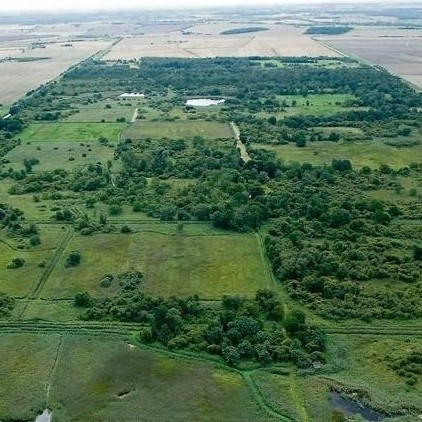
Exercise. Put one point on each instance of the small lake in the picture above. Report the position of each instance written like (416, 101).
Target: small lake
(203, 102)
(44, 417)
(351, 407)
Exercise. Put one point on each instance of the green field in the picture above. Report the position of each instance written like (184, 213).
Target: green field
(366, 153)
(60, 310)
(27, 361)
(179, 129)
(315, 104)
(107, 110)
(68, 155)
(124, 383)
(82, 132)
(210, 266)
(18, 282)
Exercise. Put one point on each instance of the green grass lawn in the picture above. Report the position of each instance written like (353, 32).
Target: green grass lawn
(82, 132)
(60, 310)
(366, 153)
(186, 129)
(25, 366)
(210, 266)
(110, 380)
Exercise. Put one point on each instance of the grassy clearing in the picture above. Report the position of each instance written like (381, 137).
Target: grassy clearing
(179, 129)
(65, 155)
(108, 110)
(316, 104)
(18, 282)
(62, 311)
(209, 266)
(33, 210)
(25, 366)
(370, 153)
(82, 132)
(126, 383)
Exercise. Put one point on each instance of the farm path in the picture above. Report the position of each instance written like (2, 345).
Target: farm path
(240, 145)
(36, 291)
(135, 115)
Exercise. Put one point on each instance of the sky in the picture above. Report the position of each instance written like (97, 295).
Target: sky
(22, 5)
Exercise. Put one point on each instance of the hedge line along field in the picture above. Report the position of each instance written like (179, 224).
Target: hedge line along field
(210, 266)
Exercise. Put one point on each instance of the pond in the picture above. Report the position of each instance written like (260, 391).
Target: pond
(351, 407)
(44, 417)
(203, 102)
(132, 95)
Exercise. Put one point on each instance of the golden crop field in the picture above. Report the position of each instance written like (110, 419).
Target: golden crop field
(397, 50)
(20, 77)
(207, 41)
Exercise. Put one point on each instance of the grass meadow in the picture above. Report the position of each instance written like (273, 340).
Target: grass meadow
(365, 153)
(26, 363)
(179, 129)
(210, 266)
(80, 132)
(67, 155)
(130, 384)
(18, 282)
(108, 111)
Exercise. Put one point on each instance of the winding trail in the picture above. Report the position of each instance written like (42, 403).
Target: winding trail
(240, 145)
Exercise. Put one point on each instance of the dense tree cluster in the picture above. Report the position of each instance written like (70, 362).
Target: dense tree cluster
(12, 220)
(6, 304)
(328, 30)
(255, 330)
(328, 247)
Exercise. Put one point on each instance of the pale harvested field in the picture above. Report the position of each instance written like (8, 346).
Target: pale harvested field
(399, 51)
(19, 78)
(206, 41)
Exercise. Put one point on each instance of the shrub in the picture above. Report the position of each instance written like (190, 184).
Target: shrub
(73, 259)
(16, 263)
